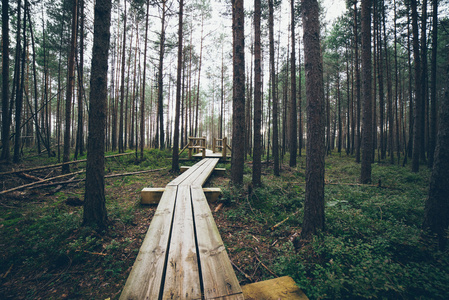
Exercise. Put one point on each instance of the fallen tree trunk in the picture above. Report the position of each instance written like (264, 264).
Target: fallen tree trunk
(106, 176)
(38, 182)
(57, 165)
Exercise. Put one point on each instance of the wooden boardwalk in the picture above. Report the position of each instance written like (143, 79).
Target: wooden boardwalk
(183, 255)
(210, 154)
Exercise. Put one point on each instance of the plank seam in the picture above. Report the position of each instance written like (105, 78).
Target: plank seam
(200, 271)
(164, 270)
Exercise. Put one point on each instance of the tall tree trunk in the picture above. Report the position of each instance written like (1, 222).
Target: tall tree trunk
(300, 119)
(348, 106)
(410, 94)
(257, 153)
(199, 77)
(80, 130)
(340, 131)
(380, 72)
(436, 213)
(175, 157)
(293, 117)
(389, 92)
(122, 87)
(328, 116)
(35, 114)
(222, 94)
(238, 101)
(160, 88)
(6, 121)
(357, 84)
(365, 174)
(142, 101)
(396, 88)
(273, 88)
(94, 196)
(433, 84)
(69, 91)
(134, 94)
(20, 85)
(418, 91)
(59, 96)
(424, 83)
(314, 199)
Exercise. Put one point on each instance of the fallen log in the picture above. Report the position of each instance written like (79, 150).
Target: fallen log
(57, 165)
(31, 177)
(106, 176)
(38, 182)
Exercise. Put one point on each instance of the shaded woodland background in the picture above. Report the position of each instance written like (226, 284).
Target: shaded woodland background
(45, 105)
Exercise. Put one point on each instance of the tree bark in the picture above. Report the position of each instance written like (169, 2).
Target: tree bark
(94, 196)
(20, 86)
(121, 148)
(418, 93)
(257, 153)
(357, 84)
(424, 84)
(80, 126)
(238, 101)
(175, 157)
(273, 89)
(160, 88)
(142, 99)
(314, 198)
(69, 91)
(436, 213)
(293, 117)
(365, 174)
(433, 84)
(6, 121)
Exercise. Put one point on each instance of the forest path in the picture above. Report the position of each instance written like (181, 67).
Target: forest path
(183, 255)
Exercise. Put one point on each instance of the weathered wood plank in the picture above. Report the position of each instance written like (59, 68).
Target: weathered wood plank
(218, 277)
(190, 176)
(182, 280)
(199, 177)
(206, 172)
(145, 278)
(153, 195)
(217, 171)
(178, 180)
(230, 297)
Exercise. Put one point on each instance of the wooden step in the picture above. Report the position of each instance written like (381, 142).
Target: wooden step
(153, 195)
(217, 171)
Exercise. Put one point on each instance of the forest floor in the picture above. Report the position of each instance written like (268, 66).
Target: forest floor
(373, 245)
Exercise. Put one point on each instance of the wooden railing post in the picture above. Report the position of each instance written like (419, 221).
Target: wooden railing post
(213, 145)
(190, 148)
(224, 142)
(203, 142)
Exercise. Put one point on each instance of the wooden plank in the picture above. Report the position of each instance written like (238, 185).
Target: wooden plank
(206, 166)
(178, 180)
(205, 174)
(202, 174)
(145, 278)
(217, 171)
(218, 277)
(151, 195)
(154, 195)
(182, 280)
